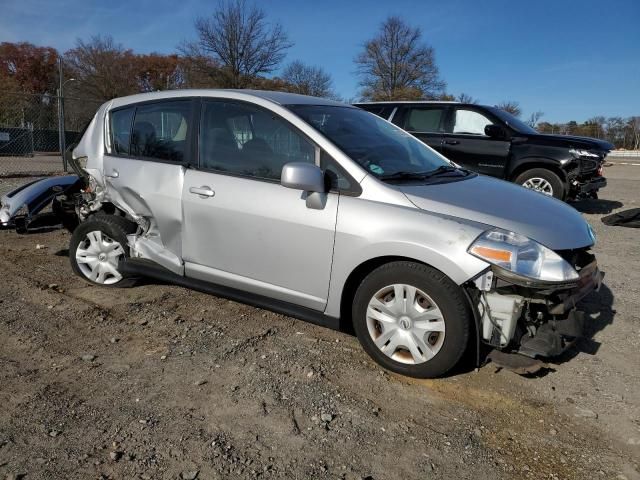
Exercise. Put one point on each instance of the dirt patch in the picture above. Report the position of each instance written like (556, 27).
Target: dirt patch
(161, 382)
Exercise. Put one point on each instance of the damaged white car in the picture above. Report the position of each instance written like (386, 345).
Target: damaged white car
(325, 212)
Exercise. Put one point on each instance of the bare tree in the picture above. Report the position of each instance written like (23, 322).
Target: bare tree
(159, 72)
(633, 126)
(510, 106)
(464, 98)
(103, 68)
(239, 38)
(308, 80)
(534, 118)
(398, 64)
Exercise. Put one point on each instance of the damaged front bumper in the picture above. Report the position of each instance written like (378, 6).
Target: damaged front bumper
(538, 320)
(587, 188)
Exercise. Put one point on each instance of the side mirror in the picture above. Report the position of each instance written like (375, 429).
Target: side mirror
(495, 131)
(302, 176)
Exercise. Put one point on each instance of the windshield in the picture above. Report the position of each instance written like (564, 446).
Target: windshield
(514, 122)
(378, 146)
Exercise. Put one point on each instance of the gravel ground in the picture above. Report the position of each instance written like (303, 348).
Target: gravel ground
(40, 163)
(159, 382)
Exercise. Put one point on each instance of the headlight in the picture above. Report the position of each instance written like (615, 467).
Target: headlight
(583, 153)
(522, 256)
(592, 233)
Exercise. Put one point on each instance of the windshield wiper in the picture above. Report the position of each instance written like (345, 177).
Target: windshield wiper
(443, 169)
(404, 175)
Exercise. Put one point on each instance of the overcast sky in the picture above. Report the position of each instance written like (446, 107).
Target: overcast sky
(572, 59)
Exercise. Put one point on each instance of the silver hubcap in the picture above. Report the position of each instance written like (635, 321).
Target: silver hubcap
(405, 324)
(97, 257)
(539, 185)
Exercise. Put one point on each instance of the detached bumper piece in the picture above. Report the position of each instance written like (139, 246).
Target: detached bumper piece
(553, 338)
(517, 363)
(19, 207)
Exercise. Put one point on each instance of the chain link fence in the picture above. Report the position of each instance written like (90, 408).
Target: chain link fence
(30, 131)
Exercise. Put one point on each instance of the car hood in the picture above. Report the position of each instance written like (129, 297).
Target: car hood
(508, 206)
(570, 141)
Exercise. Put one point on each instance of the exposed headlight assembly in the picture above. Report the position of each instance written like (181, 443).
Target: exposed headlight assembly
(583, 153)
(522, 257)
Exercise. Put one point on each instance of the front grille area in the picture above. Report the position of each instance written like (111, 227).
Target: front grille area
(589, 165)
(578, 258)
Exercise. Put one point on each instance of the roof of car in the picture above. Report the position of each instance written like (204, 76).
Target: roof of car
(281, 98)
(393, 102)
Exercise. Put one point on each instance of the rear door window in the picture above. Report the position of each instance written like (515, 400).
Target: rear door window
(161, 130)
(246, 140)
(424, 119)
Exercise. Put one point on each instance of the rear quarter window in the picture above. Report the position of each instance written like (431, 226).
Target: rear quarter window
(120, 126)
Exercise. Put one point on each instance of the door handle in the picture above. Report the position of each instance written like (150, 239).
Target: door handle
(452, 142)
(202, 192)
(114, 174)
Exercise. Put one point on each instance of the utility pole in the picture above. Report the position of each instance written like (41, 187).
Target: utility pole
(61, 127)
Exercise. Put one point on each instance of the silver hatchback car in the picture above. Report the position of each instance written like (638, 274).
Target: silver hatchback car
(328, 213)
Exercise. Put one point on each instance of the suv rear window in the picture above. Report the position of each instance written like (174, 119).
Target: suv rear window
(424, 119)
(160, 130)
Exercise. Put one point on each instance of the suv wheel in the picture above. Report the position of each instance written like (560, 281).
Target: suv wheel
(543, 181)
(97, 246)
(411, 319)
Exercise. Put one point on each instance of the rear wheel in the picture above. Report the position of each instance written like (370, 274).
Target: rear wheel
(411, 319)
(543, 181)
(96, 248)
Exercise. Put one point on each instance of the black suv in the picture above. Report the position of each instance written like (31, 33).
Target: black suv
(490, 141)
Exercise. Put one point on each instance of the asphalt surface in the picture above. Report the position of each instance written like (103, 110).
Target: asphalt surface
(161, 382)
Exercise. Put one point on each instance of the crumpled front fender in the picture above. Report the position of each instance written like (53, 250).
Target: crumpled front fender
(32, 197)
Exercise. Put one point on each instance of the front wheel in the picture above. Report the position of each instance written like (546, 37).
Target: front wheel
(96, 248)
(412, 319)
(543, 181)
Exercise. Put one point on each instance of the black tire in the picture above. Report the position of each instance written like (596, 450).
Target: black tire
(116, 228)
(445, 293)
(556, 183)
